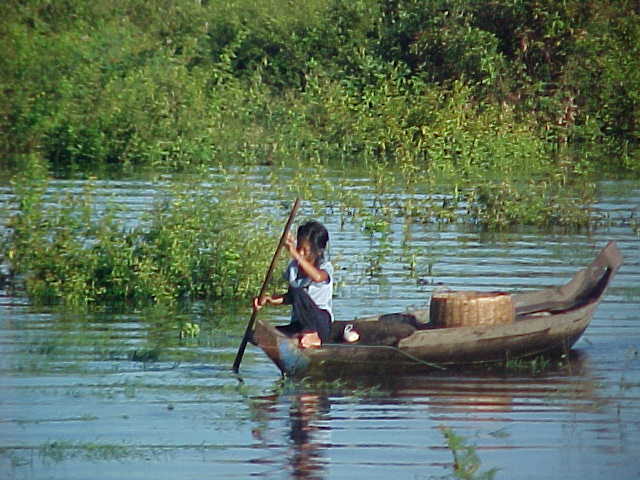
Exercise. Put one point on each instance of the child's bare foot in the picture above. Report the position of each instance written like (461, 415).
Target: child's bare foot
(310, 340)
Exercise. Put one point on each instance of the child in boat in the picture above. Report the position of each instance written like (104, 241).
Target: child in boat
(310, 278)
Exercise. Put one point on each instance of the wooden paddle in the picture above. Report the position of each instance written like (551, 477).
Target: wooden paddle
(267, 277)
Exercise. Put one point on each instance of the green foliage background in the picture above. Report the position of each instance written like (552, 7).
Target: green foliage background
(520, 104)
(174, 83)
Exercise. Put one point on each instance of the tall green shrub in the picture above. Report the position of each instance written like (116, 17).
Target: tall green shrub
(179, 83)
(194, 244)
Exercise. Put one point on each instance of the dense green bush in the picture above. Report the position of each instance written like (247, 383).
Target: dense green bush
(513, 105)
(175, 83)
(194, 244)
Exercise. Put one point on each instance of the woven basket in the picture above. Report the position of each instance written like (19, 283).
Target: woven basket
(464, 309)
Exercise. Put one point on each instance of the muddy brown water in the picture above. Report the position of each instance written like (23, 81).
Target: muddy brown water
(118, 394)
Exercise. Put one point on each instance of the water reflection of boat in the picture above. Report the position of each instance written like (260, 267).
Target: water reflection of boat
(547, 320)
(567, 383)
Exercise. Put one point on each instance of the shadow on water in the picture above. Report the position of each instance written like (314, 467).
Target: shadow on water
(314, 415)
(499, 389)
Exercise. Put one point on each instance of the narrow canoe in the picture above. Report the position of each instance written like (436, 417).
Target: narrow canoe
(551, 319)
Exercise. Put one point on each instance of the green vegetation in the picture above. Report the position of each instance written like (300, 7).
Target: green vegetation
(466, 463)
(534, 366)
(335, 387)
(206, 239)
(457, 85)
(506, 109)
(59, 451)
(194, 244)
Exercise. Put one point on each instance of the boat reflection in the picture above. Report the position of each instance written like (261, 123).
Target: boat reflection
(482, 400)
(500, 391)
(521, 386)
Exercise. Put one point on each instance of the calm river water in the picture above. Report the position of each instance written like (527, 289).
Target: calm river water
(119, 395)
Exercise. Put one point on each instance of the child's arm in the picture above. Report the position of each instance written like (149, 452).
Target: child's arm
(259, 302)
(310, 270)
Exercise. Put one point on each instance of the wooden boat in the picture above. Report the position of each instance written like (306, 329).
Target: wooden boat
(547, 320)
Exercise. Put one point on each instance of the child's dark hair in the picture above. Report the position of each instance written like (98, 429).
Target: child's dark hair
(317, 236)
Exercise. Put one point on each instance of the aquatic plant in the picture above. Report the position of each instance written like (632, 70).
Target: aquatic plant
(189, 330)
(466, 463)
(198, 241)
(60, 450)
(535, 365)
(194, 244)
(333, 387)
(541, 203)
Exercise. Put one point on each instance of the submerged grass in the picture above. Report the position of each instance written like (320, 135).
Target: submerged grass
(205, 237)
(535, 365)
(325, 388)
(59, 451)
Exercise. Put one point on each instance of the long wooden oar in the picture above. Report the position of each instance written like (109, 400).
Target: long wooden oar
(267, 277)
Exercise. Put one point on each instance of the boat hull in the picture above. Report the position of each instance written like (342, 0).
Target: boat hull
(547, 320)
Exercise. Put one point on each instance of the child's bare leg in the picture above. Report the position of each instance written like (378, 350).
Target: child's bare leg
(310, 317)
